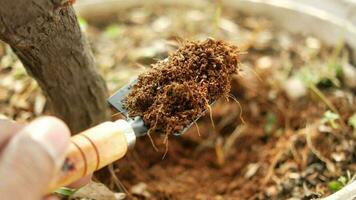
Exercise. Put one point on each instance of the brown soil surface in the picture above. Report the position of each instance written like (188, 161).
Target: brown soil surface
(241, 161)
(178, 90)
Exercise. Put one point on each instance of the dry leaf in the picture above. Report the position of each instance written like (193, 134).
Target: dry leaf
(95, 191)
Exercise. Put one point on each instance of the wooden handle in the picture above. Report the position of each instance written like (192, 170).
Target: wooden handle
(94, 149)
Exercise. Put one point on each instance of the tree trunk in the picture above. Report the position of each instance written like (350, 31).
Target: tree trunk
(46, 37)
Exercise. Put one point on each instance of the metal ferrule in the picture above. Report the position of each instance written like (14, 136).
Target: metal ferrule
(128, 131)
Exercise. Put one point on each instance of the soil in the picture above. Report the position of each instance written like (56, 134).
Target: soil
(178, 90)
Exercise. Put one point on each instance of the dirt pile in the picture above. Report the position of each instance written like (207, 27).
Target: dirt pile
(179, 89)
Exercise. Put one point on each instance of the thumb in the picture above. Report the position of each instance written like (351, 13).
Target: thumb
(30, 160)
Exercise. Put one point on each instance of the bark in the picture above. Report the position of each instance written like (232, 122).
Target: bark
(47, 39)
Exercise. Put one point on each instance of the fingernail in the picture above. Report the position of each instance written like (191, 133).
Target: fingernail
(52, 134)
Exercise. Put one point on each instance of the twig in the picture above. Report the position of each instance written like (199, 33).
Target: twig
(323, 98)
(117, 182)
(328, 163)
(232, 138)
(282, 146)
(271, 167)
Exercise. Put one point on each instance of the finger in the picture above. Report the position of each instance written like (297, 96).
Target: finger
(8, 129)
(31, 158)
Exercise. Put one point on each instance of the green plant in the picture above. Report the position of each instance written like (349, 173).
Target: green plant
(341, 182)
(82, 23)
(352, 122)
(311, 77)
(65, 192)
(330, 118)
(335, 185)
(271, 121)
(113, 31)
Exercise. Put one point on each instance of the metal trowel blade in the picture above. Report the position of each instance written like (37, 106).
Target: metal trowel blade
(117, 101)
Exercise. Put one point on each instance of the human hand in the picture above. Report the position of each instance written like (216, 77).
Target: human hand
(30, 156)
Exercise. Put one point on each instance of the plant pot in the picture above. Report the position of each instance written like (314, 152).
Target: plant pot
(331, 21)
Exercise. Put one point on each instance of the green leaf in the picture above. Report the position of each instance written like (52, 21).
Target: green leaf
(352, 121)
(65, 192)
(330, 116)
(335, 185)
(330, 119)
(343, 180)
(307, 76)
(82, 23)
(336, 67)
(113, 31)
(271, 120)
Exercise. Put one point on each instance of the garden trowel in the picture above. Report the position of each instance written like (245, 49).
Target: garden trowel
(103, 144)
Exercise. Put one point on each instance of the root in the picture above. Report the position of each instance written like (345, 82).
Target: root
(239, 104)
(211, 116)
(151, 139)
(198, 130)
(166, 143)
(230, 141)
(149, 131)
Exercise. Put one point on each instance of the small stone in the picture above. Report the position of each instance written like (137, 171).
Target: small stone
(325, 129)
(120, 196)
(263, 39)
(195, 15)
(161, 24)
(251, 170)
(271, 191)
(295, 88)
(285, 40)
(313, 43)
(228, 25)
(294, 175)
(138, 17)
(338, 157)
(264, 62)
(140, 189)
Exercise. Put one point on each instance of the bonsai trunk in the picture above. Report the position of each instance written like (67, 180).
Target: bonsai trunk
(46, 37)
